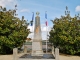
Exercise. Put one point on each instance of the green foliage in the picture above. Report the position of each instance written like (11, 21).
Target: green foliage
(13, 31)
(65, 34)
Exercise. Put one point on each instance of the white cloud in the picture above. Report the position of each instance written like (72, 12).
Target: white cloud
(44, 28)
(78, 8)
(25, 10)
(5, 3)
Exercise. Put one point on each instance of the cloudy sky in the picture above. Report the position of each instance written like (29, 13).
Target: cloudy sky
(54, 8)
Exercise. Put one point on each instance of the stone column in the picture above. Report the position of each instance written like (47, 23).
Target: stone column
(15, 57)
(56, 53)
(37, 40)
(53, 51)
(25, 49)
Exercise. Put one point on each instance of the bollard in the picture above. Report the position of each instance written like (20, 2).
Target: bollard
(56, 53)
(15, 57)
(53, 51)
(25, 49)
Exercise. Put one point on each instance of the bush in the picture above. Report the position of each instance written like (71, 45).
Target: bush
(65, 34)
(13, 31)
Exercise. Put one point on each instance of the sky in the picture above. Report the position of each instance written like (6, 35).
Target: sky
(54, 8)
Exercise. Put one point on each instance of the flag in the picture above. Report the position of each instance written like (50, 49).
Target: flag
(33, 16)
(31, 23)
(45, 15)
(46, 18)
(46, 23)
(32, 19)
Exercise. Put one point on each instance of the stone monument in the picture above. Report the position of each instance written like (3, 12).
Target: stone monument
(37, 52)
(37, 40)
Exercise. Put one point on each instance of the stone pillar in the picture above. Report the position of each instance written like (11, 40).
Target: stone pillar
(56, 53)
(37, 40)
(15, 51)
(25, 49)
(53, 51)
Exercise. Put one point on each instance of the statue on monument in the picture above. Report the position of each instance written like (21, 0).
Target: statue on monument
(37, 13)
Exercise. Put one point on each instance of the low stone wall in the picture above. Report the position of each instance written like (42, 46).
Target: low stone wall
(15, 51)
(55, 52)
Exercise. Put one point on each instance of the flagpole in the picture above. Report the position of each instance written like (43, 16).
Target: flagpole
(32, 33)
(46, 29)
(46, 39)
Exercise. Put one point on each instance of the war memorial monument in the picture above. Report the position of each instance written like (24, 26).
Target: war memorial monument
(37, 52)
(37, 40)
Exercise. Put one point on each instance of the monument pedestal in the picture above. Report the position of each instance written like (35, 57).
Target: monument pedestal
(37, 48)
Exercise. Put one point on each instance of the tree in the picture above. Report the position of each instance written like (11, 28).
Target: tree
(65, 34)
(13, 31)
